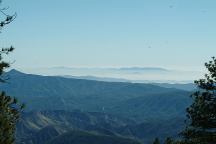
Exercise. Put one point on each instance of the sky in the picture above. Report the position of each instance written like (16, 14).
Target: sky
(173, 34)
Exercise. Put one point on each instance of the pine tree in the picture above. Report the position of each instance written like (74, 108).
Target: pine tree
(201, 123)
(169, 141)
(156, 141)
(9, 108)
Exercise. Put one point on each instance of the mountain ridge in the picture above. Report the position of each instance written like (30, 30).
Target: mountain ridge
(107, 108)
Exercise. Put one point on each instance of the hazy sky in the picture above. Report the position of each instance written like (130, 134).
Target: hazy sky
(111, 33)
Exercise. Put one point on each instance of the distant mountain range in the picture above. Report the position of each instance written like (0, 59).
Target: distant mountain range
(57, 93)
(144, 69)
(94, 78)
(134, 74)
(114, 109)
(181, 86)
(120, 68)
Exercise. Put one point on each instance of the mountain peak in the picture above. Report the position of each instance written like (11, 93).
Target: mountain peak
(14, 72)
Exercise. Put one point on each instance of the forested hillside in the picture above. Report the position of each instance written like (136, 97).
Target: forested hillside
(57, 106)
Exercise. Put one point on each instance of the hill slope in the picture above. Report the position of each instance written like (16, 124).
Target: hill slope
(57, 93)
(80, 137)
(42, 126)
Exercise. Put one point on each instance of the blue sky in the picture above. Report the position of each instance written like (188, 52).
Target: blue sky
(176, 34)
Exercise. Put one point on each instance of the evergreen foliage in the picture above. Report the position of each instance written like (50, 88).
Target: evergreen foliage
(169, 141)
(9, 107)
(201, 123)
(156, 141)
